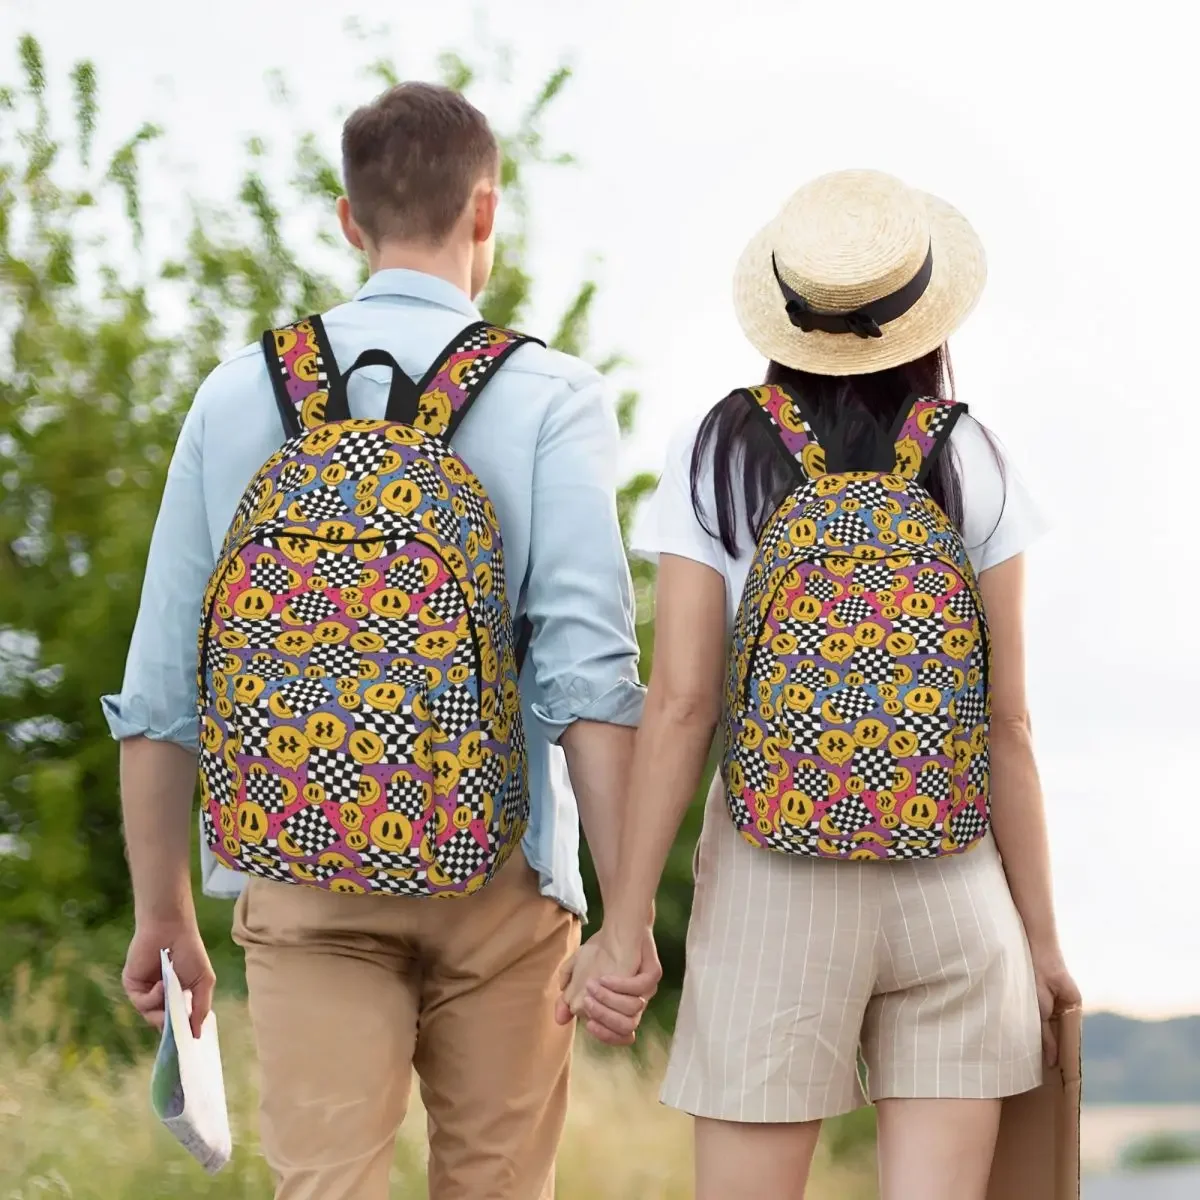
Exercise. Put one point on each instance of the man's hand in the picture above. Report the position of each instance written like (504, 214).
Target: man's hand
(142, 977)
(609, 988)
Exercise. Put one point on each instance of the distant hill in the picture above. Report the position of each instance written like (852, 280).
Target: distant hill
(1140, 1062)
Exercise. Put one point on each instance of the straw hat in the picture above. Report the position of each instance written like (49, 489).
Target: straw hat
(858, 273)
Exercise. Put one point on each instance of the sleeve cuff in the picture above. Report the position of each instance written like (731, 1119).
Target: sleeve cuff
(620, 705)
(184, 732)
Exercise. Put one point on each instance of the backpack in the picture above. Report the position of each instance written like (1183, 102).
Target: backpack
(856, 707)
(360, 724)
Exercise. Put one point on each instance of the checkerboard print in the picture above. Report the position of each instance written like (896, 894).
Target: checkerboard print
(424, 475)
(335, 772)
(471, 790)
(967, 824)
(818, 584)
(812, 781)
(454, 710)
(265, 790)
(756, 770)
(850, 814)
(268, 666)
(337, 661)
(311, 830)
(321, 504)
(359, 452)
(852, 610)
(851, 703)
(291, 477)
(869, 492)
(217, 775)
(808, 634)
(970, 708)
(929, 582)
(338, 570)
(805, 725)
(260, 632)
(408, 797)
(978, 770)
(873, 576)
(271, 575)
(934, 782)
(874, 663)
(311, 608)
(936, 675)
(738, 811)
(253, 722)
(846, 529)
(931, 730)
(926, 631)
(397, 731)
(446, 601)
(874, 766)
(407, 577)
(446, 524)
(460, 856)
(304, 696)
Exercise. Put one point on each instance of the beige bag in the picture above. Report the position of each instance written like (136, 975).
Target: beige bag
(1037, 1152)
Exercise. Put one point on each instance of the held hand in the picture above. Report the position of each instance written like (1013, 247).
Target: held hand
(609, 988)
(142, 976)
(1056, 992)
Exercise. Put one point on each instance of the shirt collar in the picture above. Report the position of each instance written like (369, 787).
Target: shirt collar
(397, 281)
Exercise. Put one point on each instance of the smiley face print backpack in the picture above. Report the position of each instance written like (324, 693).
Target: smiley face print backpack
(360, 721)
(856, 707)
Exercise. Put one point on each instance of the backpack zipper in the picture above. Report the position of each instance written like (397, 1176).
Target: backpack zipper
(971, 587)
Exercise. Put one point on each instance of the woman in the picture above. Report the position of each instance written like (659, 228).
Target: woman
(883, 609)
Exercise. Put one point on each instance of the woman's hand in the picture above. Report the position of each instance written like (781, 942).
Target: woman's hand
(1056, 992)
(608, 986)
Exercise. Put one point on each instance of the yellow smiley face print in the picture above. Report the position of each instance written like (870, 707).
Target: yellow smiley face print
(287, 746)
(251, 822)
(325, 730)
(392, 831)
(400, 496)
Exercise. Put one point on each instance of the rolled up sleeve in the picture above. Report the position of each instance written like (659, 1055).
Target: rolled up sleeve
(579, 595)
(158, 696)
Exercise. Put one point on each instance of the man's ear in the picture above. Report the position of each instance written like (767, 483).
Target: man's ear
(487, 198)
(350, 230)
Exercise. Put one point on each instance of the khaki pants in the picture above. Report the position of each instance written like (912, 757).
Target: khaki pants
(349, 993)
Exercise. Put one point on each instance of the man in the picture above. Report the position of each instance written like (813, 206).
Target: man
(349, 993)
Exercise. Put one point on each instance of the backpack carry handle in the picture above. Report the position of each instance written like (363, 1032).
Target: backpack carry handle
(310, 392)
(402, 393)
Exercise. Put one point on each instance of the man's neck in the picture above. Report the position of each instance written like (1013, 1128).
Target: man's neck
(451, 263)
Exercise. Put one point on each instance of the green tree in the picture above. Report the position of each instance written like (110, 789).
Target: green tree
(93, 385)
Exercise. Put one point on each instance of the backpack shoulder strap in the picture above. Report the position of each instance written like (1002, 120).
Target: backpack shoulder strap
(921, 431)
(304, 375)
(459, 374)
(783, 412)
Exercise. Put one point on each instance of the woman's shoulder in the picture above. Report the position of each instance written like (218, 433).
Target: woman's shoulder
(1001, 518)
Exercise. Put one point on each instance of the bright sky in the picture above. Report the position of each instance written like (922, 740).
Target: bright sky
(1066, 137)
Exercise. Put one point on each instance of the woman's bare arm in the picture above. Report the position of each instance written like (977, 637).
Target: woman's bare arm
(1018, 812)
(683, 704)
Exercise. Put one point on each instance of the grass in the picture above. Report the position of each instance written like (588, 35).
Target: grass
(75, 1124)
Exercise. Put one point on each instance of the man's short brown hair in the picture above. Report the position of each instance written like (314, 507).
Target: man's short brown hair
(410, 159)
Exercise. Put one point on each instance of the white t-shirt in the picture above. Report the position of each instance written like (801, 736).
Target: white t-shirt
(1000, 518)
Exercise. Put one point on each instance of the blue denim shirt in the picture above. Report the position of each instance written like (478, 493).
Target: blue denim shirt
(542, 438)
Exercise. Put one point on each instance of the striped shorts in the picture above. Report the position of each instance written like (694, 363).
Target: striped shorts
(804, 975)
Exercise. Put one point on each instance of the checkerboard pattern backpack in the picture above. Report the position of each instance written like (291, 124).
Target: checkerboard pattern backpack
(856, 708)
(360, 721)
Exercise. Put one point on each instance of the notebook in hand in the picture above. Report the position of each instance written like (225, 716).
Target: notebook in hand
(187, 1088)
